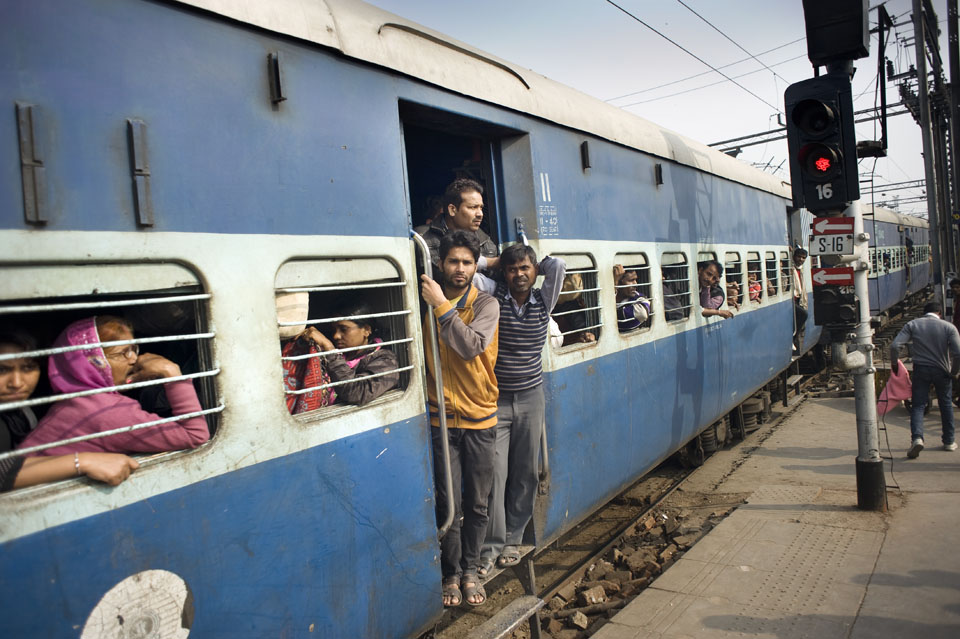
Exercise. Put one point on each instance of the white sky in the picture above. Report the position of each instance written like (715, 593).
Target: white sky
(592, 46)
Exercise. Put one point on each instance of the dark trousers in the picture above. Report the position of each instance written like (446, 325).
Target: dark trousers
(515, 475)
(471, 462)
(923, 377)
(800, 314)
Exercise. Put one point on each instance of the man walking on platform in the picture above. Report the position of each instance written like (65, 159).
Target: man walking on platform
(466, 321)
(524, 321)
(935, 348)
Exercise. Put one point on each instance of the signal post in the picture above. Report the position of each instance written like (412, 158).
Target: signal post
(823, 169)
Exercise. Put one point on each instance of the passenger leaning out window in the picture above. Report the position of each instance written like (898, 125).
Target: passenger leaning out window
(18, 379)
(709, 273)
(96, 368)
(633, 309)
(570, 316)
(366, 363)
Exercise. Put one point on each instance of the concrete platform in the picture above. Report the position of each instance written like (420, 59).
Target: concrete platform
(799, 559)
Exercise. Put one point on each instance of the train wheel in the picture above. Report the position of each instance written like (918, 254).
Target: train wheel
(692, 455)
(723, 432)
(709, 440)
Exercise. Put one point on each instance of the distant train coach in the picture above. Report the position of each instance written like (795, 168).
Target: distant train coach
(900, 260)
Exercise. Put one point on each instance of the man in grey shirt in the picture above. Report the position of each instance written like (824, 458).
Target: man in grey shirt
(524, 324)
(935, 348)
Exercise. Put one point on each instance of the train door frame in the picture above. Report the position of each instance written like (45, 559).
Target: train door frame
(418, 122)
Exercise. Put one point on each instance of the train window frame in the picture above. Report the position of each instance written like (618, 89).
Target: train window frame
(329, 280)
(683, 283)
(737, 261)
(772, 282)
(640, 263)
(786, 274)
(584, 265)
(757, 258)
(168, 307)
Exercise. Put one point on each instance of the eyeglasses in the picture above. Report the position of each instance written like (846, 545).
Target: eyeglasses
(132, 349)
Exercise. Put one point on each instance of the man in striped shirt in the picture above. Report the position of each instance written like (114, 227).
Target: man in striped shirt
(524, 321)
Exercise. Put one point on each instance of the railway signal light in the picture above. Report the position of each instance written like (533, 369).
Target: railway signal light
(832, 307)
(836, 30)
(823, 146)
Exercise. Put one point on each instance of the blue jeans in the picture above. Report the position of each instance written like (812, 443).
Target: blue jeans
(923, 377)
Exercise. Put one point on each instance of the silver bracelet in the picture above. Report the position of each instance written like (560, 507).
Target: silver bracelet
(76, 462)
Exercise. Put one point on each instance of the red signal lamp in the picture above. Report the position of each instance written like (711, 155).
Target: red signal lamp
(820, 161)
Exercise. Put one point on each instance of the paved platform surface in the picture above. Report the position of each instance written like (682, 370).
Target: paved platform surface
(799, 559)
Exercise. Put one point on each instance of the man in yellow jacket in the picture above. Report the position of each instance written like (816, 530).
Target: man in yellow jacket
(467, 324)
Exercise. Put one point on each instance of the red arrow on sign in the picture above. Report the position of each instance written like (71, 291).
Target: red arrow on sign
(832, 225)
(832, 276)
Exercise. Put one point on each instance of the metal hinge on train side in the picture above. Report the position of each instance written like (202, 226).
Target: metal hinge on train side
(31, 163)
(140, 171)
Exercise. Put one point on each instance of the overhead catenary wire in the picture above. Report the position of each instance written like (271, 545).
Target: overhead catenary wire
(693, 55)
(703, 73)
(707, 86)
(734, 42)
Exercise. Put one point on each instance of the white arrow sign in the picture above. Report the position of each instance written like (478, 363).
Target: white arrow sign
(836, 225)
(822, 277)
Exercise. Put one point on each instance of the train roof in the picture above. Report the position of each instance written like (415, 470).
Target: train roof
(364, 32)
(881, 214)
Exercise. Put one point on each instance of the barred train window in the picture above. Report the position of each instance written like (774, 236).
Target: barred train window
(771, 259)
(786, 277)
(577, 312)
(161, 309)
(754, 278)
(343, 333)
(675, 272)
(733, 271)
(634, 293)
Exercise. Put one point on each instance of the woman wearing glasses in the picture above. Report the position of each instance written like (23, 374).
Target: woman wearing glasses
(110, 367)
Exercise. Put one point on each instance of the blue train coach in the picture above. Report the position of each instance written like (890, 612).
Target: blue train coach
(899, 259)
(182, 163)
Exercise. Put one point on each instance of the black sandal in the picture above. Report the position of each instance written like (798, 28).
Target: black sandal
(471, 586)
(485, 567)
(509, 556)
(452, 590)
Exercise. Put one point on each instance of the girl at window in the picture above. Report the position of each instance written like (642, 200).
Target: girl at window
(360, 364)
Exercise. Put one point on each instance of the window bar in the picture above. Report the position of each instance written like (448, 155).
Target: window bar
(96, 391)
(294, 358)
(630, 303)
(578, 310)
(581, 330)
(301, 391)
(123, 342)
(106, 433)
(10, 310)
(344, 287)
(581, 290)
(330, 320)
(582, 270)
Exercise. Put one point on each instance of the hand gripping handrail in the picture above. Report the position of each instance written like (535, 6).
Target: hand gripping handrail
(544, 475)
(438, 380)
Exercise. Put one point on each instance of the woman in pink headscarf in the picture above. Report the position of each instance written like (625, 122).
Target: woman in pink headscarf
(98, 367)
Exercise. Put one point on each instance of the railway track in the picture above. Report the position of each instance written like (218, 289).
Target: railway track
(600, 565)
